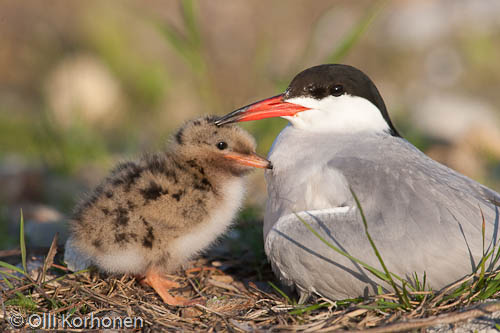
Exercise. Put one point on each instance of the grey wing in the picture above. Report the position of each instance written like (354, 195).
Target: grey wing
(408, 196)
(301, 260)
(421, 215)
(424, 215)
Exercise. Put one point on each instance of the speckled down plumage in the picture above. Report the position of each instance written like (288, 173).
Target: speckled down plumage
(164, 208)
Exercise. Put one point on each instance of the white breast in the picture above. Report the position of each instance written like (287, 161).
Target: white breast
(217, 222)
(301, 179)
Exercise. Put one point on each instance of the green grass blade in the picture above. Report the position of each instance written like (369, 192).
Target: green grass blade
(483, 227)
(494, 260)
(405, 294)
(495, 257)
(7, 282)
(481, 265)
(71, 311)
(281, 292)
(189, 16)
(23, 301)
(22, 243)
(381, 305)
(356, 32)
(377, 253)
(371, 269)
(175, 40)
(418, 286)
(66, 275)
(491, 289)
(349, 301)
(313, 307)
(4, 274)
(12, 267)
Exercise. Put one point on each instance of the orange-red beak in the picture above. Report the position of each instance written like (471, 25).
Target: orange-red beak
(267, 108)
(252, 160)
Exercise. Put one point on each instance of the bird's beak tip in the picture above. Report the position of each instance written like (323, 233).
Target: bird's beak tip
(232, 117)
(219, 122)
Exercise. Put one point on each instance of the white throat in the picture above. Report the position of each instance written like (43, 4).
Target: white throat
(344, 114)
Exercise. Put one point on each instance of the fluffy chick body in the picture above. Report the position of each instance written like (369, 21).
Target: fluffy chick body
(154, 214)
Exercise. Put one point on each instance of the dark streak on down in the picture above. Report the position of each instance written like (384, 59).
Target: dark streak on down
(125, 174)
(121, 217)
(131, 205)
(133, 235)
(205, 182)
(153, 191)
(105, 211)
(122, 166)
(178, 136)
(124, 237)
(91, 201)
(121, 237)
(203, 185)
(131, 176)
(147, 241)
(177, 196)
(171, 174)
(194, 165)
(98, 190)
(156, 164)
(117, 182)
(97, 243)
(77, 214)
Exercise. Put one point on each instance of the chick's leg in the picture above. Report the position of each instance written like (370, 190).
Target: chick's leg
(161, 285)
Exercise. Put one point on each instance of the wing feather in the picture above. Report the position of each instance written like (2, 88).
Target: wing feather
(422, 216)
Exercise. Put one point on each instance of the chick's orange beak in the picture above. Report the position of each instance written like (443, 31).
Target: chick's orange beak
(252, 160)
(267, 108)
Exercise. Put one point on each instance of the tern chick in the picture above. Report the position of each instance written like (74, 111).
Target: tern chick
(149, 217)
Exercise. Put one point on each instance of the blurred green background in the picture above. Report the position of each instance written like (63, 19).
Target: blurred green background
(84, 84)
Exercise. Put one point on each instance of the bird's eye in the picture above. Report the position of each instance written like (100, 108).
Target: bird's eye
(337, 90)
(221, 145)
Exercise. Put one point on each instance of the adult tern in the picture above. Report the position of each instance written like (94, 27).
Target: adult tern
(422, 215)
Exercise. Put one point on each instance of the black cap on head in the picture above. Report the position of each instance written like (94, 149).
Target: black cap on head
(322, 81)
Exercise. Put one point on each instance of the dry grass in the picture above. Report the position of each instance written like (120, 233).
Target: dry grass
(237, 301)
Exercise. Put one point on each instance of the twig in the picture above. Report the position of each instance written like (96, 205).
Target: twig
(49, 260)
(8, 253)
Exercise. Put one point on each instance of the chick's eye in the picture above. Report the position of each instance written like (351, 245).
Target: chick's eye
(221, 145)
(337, 90)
